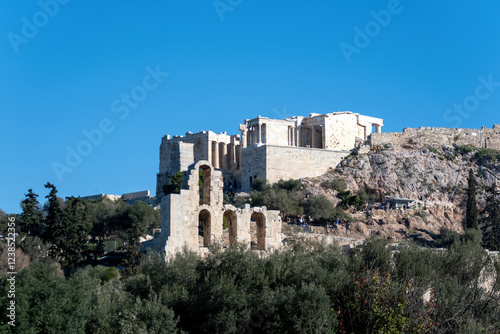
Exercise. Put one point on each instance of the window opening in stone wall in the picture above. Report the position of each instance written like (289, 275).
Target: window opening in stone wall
(229, 227)
(318, 136)
(258, 231)
(204, 184)
(204, 228)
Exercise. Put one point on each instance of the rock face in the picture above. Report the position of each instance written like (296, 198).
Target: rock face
(435, 177)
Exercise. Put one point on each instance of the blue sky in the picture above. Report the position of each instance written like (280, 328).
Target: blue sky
(128, 72)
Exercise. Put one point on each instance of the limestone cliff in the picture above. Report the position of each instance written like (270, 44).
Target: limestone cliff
(435, 177)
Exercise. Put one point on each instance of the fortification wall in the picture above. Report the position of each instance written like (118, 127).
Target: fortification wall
(285, 163)
(275, 163)
(424, 136)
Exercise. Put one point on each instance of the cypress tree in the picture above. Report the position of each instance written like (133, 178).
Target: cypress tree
(491, 220)
(54, 218)
(31, 217)
(471, 215)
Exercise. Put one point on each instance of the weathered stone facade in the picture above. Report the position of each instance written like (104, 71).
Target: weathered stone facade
(436, 137)
(177, 153)
(196, 217)
(272, 149)
(298, 146)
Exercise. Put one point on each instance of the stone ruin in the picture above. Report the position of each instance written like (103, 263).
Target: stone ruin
(213, 164)
(271, 149)
(437, 137)
(196, 217)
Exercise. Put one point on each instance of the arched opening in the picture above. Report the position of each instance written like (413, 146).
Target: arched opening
(229, 227)
(204, 184)
(258, 231)
(204, 228)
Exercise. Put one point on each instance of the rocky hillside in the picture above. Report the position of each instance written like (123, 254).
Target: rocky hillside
(435, 177)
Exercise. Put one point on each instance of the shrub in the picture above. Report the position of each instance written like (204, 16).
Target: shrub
(488, 154)
(319, 207)
(335, 184)
(175, 186)
(289, 185)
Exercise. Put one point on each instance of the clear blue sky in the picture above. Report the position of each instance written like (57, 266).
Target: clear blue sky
(68, 67)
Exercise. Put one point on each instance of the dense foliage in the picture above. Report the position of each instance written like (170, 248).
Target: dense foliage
(75, 231)
(286, 197)
(308, 288)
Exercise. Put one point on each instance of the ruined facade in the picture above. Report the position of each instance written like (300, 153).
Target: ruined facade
(209, 163)
(436, 137)
(196, 217)
(270, 149)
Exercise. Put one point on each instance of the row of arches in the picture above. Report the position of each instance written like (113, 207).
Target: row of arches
(230, 229)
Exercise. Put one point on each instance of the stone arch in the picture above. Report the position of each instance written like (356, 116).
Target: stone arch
(204, 228)
(204, 183)
(260, 223)
(232, 225)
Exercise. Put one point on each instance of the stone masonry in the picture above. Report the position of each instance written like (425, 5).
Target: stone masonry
(436, 137)
(197, 217)
(271, 149)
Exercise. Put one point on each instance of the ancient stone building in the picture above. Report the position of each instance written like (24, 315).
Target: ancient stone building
(298, 146)
(197, 217)
(210, 163)
(271, 149)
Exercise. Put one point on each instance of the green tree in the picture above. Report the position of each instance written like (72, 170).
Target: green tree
(46, 302)
(491, 220)
(349, 200)
(471, 214)
(138, 220)
(319, 207)
(148, 316)
(105, 217)
(54, 216)
(290, 185)
(259, 184)
(4, 221)
(69, 242)
(31, 217)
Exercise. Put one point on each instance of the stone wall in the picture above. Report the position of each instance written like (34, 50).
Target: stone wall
(297, 162)
(436, 137)
(194, 218)
(341, 132)
(253, 165)
(274, 163)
